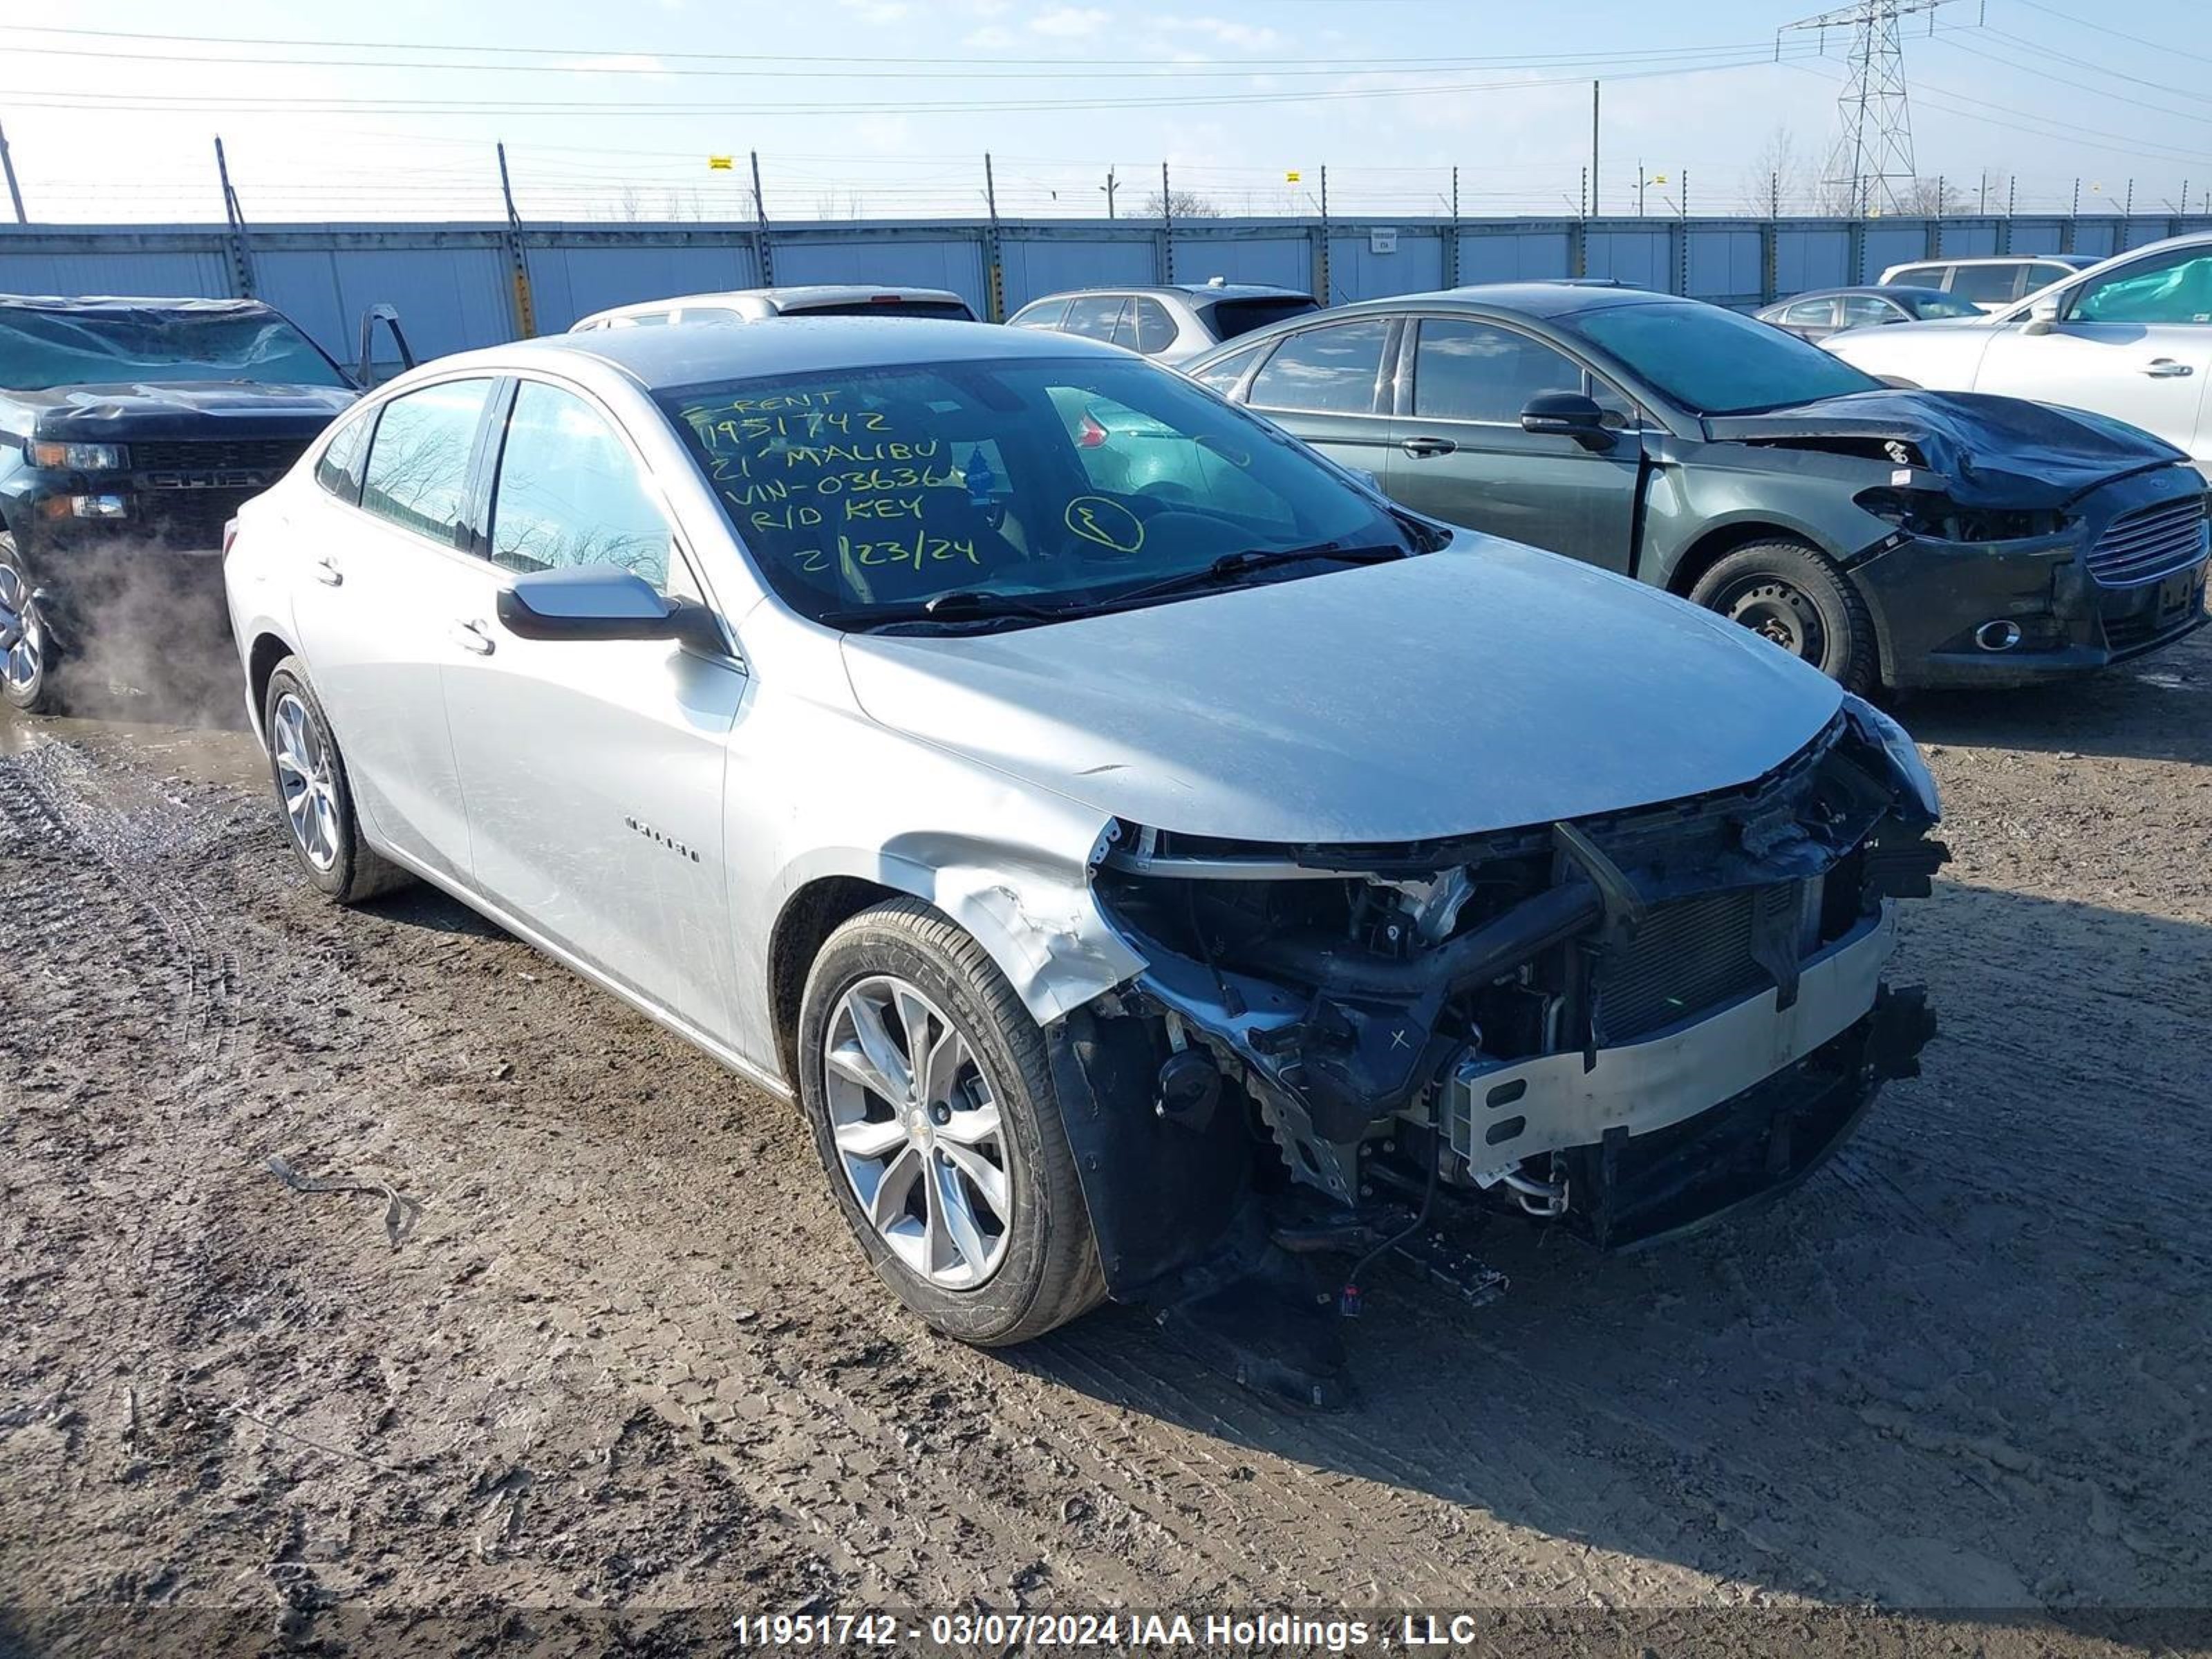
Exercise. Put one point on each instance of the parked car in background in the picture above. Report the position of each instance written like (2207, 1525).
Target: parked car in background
(1907, 538)
(1169, 325)
(130, 430)
(752, 304)
(1989, 283)
(1831, 310)
(2130, 338)
(1113, 875)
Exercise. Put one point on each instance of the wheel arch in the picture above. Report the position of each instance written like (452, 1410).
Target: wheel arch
(1716, 542)
(269, 648)
(808, 916)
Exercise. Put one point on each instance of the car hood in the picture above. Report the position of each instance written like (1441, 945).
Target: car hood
(1454, 694)
(149, 410)
(1991, 451)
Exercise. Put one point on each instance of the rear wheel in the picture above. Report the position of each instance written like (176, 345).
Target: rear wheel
(28, 680)
(1793, 595)
(315, 796)
(929, 1091)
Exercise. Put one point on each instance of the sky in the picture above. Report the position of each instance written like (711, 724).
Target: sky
(886, 108)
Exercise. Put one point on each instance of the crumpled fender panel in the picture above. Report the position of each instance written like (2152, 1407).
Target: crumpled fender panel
(1991, 451)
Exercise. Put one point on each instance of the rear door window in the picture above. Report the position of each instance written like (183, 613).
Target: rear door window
(1094, 316)
(1474, 371)
(1861, 309)
(1224, 374)
(1917, 275)
(1154, 331)
(1810, 313)
(570, 494)
(1326, 371)
(338, 471)
(418, 462)
(1044, 313)
(1986, 285)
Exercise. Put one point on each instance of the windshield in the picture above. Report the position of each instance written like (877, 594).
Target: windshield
(1931, 306)
(1231, 318)
(1049, 487)
(41, 350)
(1714, 362)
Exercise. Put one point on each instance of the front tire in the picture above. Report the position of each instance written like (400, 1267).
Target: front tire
(929, 1091)
(29, 665)
(1793, 595)
(314, 796)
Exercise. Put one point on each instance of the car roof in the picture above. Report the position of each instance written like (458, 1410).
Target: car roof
(1567, 297)
(2079, 261)
(657, 358)
(1182, 291)
(1885, 290)
(785, 295)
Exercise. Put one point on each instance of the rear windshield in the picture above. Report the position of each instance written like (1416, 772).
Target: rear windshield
(1716, 361)
(952, 308)
(1231, 318)
(41, 350)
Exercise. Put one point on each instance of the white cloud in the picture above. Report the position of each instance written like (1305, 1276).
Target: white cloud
(991, 37)
(1069, 22)
(1226, 31)
(879, 11)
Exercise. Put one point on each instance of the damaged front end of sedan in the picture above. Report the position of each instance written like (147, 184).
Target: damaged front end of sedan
(1624, 1025)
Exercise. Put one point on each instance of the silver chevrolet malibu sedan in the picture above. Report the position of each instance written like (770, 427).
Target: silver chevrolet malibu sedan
(1156, 865)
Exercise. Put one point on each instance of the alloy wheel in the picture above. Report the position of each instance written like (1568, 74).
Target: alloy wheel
(307, 780)
(918, 1132)
(22, 640)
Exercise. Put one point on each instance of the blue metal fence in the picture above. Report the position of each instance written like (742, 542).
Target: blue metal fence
(456, 285)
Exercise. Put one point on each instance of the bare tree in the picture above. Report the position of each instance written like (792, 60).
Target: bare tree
(1186, 204)
(1930, 198)
(1777, 176)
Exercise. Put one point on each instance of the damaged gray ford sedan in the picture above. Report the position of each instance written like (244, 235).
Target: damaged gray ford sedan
(1153, 881)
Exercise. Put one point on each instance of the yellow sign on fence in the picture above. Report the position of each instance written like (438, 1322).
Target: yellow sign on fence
(720, 163)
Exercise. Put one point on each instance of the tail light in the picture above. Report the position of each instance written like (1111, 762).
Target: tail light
(229, 535)
(1089, 434)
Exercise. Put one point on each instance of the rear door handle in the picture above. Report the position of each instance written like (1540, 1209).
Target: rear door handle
(327, 573)
(471, 636)
(1418, 447)
(2166, 368)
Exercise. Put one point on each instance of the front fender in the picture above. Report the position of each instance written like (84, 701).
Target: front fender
(1700, 489)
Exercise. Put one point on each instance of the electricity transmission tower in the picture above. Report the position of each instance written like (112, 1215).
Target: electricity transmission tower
(1871, 164)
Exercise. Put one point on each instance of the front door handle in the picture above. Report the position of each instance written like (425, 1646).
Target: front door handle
(327, 573)
(2166, 368)
(471, 636)
(1419, 448)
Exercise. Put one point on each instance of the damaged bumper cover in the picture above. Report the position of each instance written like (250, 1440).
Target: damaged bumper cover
(1631, 1024)
(2122, 574)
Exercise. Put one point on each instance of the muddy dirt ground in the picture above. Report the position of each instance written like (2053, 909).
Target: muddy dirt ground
(623, 1354)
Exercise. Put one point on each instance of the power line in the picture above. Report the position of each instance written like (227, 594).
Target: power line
(1872, 152)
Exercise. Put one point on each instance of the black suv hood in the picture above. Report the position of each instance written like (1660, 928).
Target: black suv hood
(212, 411)
(1994, 452)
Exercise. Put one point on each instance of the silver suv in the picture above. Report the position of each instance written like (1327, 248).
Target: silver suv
(1171, 324)
(1132, 870)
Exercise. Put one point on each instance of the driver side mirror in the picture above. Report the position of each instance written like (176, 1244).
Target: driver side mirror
(602, 602)
(2042, 316)
(1568, 414)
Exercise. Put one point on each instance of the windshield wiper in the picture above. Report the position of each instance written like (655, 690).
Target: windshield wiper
(1230, 566)
(962, 604)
